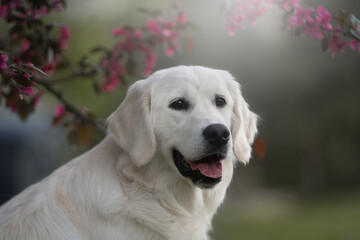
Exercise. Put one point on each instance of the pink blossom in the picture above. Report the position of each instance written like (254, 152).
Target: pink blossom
(244, 12)
(49, 67)
(288, 4)
(110, 83)
(138, 33)
(41, 12)
(3, 60)
(311, 23)
(181, 18)
(336, 44)
(169, 51)
(231, 30)
(65, 36)
(353, 43)
(166, 32)
(60, 111)
(65, 33)
(28, 90)
(167, 24)
(150, 61)
(324, 17)
(24, 46)
(57, 6)
(153, 26)
(114, 71)
(118, 31)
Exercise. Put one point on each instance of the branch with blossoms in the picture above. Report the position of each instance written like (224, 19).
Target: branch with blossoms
(335, 32)
(33, 50)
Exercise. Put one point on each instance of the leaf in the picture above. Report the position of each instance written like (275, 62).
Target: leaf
(24, 109)
(97, 87)
(11, 100)
(80, 134)
(56, 121)
(355, 34)
(35, 68)
(84, 133)
(324, 44)
(21, 69)
(72, 137)
(355, 30)
(98, 49)
(354, 20)
(22, 80)
(344, 16)
(259, 146)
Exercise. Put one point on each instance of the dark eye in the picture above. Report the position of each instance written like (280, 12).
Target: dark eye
(220, 101)
(179, 104)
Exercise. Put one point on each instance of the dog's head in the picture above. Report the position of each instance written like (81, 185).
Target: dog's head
(194, 116)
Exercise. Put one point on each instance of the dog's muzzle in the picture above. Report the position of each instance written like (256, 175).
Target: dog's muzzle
(207, 171)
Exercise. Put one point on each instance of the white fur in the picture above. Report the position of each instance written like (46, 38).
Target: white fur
(127, 187)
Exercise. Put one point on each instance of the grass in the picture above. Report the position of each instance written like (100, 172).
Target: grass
(336, 218)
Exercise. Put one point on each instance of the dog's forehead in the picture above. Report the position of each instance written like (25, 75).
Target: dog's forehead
(189, 81)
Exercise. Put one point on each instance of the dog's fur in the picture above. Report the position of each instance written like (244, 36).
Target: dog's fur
(128, 187)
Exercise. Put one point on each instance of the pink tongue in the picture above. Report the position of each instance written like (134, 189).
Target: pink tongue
(211, 169)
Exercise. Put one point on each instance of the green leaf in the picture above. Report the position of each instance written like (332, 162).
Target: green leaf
(324, 44)
(21, 69)
(24, 109)
(97, 87)
(355, 33)
(22, 80)
(98, 49)
(354, 20)
(35, 68)
(355, 30)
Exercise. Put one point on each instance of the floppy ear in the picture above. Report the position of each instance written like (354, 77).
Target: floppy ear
(130, 124)
(244, 126)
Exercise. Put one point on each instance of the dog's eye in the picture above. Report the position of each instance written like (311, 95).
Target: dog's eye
(220, 101)
(179, 104)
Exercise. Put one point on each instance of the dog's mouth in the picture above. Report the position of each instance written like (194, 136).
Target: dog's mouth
(205, 173)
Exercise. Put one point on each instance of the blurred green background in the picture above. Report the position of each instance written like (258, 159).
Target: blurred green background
(308, 184)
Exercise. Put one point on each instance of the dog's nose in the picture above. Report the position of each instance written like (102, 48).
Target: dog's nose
(217, 134)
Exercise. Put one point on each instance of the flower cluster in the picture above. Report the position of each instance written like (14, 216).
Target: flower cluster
(139, 42)
(335, 32)
(166, 32)
(29, 41)
(3, 60)
(244, 12)
(312, 23)
(18, 10)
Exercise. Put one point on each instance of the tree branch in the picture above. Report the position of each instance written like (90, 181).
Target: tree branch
(71, 108)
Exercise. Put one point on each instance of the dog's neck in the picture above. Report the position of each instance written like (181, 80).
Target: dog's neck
(168, 189)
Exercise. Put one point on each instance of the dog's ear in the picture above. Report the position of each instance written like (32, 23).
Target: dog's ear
(130, 125)
(243, 126)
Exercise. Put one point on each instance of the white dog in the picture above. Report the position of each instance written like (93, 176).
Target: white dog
(161, 172)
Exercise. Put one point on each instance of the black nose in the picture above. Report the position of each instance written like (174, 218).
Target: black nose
(217, 134)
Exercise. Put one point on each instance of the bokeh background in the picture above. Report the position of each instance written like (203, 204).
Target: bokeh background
(308, 184)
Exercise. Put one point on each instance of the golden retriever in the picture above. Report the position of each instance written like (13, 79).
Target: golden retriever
(161, 172)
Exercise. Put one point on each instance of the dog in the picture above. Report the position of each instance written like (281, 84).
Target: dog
(160, 173)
